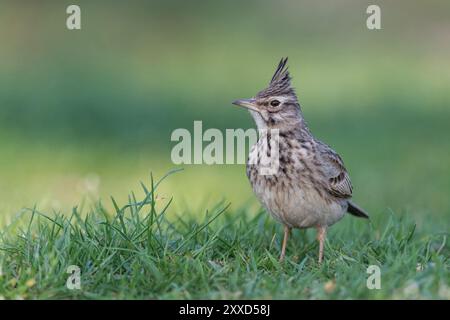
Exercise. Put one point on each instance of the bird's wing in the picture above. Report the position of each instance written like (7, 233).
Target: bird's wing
(337, 179)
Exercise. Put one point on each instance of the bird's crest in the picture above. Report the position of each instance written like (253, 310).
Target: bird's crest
(280, 83)
(281, 73)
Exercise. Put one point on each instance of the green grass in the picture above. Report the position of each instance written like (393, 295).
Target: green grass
(140, 252)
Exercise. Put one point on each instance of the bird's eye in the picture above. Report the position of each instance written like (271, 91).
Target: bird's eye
(274, 103)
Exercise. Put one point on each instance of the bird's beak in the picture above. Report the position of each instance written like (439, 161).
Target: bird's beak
(247, 103)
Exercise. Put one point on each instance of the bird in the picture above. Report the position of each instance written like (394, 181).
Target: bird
(301, 181)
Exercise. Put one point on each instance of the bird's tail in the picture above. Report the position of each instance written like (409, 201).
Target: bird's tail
(356, 211)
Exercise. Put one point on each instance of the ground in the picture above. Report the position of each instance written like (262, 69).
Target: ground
(138, 253)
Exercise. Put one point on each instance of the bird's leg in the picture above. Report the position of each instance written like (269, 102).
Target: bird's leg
(321, 235)
(283, 246)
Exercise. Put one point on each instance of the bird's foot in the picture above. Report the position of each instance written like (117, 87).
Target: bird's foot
(283, 246)
(321, 235)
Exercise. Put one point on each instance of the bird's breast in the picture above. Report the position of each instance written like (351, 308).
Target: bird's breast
(293, 193)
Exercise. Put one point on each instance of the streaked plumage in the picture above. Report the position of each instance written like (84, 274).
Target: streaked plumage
(311, 187)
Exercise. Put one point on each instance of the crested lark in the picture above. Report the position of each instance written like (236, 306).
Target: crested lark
(310, 186)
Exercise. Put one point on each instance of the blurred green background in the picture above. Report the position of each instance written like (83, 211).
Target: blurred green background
(87, 114)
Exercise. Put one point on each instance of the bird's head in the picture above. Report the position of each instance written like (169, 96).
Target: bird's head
(276, 106)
